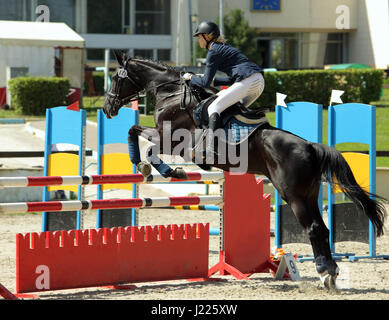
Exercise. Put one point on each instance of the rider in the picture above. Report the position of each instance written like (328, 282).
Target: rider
(244, 77)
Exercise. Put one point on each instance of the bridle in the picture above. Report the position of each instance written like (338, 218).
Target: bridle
(123, 74)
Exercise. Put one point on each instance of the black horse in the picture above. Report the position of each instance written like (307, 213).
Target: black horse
(295, 166)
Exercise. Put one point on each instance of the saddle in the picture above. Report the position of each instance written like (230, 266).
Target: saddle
(238, 122)
(237, 111)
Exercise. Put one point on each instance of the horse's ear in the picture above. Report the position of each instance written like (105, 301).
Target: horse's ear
(127, 55)
(119, 56)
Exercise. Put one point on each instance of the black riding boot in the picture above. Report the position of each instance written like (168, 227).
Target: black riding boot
(213, 125)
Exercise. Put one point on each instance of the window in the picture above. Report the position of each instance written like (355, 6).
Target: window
(319, 49)
(278, 50)
(17, 10)
(104, 16)
(61, 11)
(144, 53)
(335, 49)
(126, 17)
(18, 72)
(163, 55)
(129, 16)
(301, 50)
(290, 53)
(152, 17)
(22, 10)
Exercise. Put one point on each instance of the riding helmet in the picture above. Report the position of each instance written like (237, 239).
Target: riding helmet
(208, 27)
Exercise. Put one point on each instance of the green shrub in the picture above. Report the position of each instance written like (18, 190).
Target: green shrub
(359, 85)
(33, 95)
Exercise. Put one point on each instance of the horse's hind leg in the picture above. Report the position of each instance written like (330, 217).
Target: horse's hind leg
(308, 214)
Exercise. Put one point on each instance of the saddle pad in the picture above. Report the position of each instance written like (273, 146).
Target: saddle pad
(237, 131)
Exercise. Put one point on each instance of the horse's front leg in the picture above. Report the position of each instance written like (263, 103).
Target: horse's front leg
(134, 150)
(152, 135)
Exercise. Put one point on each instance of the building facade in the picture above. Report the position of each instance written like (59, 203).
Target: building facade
(290, 33)
(314, 33)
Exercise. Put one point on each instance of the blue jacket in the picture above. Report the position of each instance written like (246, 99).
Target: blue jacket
(225, 58)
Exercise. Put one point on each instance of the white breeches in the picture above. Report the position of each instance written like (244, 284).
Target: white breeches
(246, 91)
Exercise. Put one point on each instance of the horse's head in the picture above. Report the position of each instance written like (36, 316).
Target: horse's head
(125, 87)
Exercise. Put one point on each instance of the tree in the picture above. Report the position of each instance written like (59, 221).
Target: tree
(238, 33)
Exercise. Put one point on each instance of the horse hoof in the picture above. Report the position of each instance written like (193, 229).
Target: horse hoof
(329, 281)
(179, 173)
(144, 168)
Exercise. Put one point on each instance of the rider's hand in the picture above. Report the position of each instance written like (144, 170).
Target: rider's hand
(187, 76)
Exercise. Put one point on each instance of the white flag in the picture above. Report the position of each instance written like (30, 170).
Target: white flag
(335, 96)
(281, 99)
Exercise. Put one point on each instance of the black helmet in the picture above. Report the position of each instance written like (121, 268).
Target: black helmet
(208, 27)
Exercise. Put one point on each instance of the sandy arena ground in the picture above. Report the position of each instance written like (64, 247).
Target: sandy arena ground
(365, 279)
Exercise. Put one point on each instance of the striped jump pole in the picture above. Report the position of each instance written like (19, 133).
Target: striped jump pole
(207, 207)
(192, 177)
(15, 182)
(49, 206)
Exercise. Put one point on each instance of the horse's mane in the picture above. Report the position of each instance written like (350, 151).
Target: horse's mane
(158, 64)
(174, 73)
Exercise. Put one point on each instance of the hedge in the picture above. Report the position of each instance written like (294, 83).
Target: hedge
(32, 95)
(359, 85)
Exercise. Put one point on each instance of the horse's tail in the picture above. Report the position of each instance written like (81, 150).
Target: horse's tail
(334, 165)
